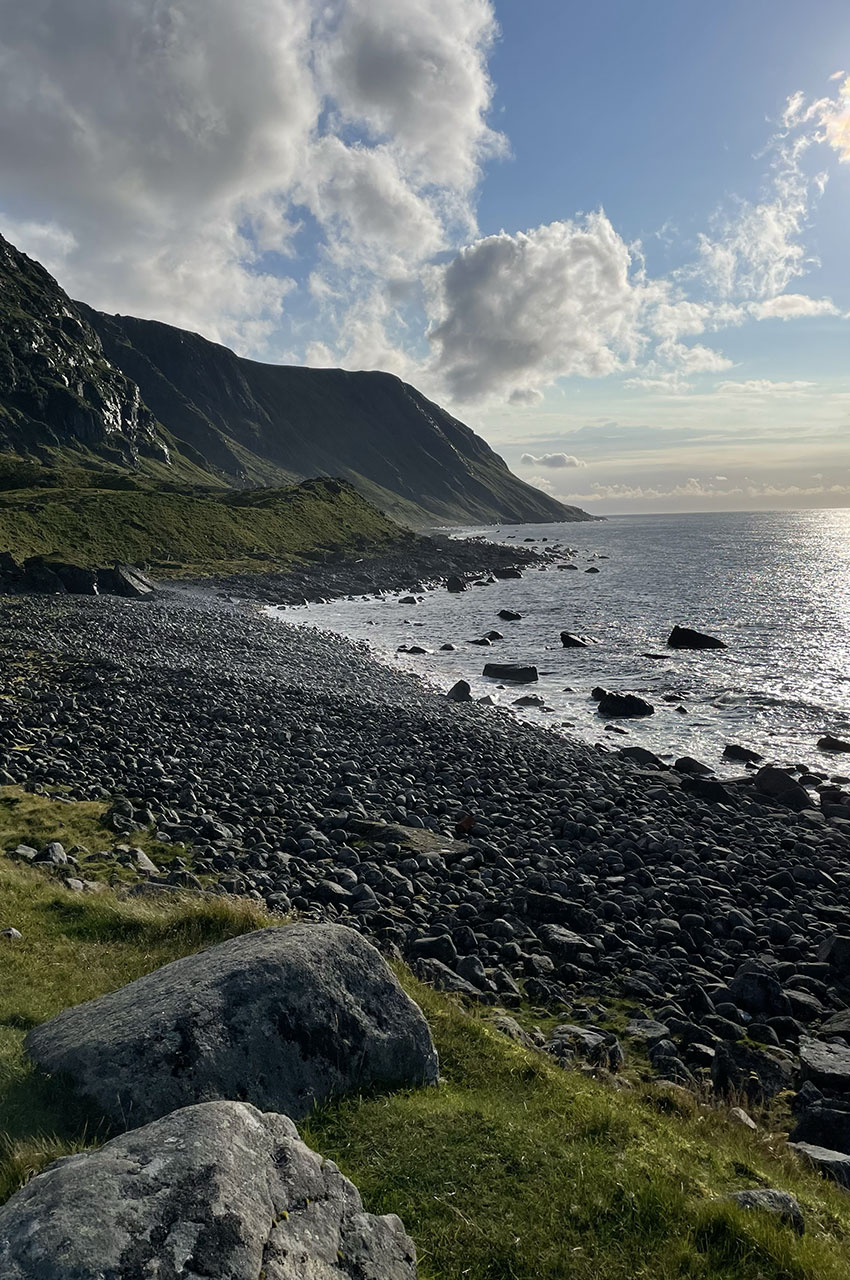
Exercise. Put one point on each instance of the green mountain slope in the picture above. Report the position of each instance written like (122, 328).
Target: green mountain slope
(266, 424)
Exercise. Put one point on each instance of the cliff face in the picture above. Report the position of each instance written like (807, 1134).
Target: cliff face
(264, 423)
(57, 389)
(77, 385)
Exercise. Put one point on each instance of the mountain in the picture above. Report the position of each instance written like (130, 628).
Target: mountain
(80, 386)
(57, 389)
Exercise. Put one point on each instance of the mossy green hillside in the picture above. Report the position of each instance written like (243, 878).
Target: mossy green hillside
(184, 530)
(510, 1169)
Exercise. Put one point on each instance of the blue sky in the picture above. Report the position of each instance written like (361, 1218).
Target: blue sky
(611, 237)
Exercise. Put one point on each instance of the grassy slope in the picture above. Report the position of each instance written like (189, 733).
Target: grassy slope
(510, 1168)
(200, 529)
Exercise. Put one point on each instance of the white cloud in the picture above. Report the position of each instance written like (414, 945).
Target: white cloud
(764, 387)
(793, 306)
(550, 460)
(513, 312)
(704, 490)
(159, 150)
(834, 118)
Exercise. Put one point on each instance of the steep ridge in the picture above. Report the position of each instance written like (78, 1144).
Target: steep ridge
(117, 394)
(265, 424)
(57, 389)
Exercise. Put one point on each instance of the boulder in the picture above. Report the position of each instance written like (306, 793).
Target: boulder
(832, 1164)
(687, 638)
(780, 1204)
(217, 1190)
(834, 950)
(455, 584)
(613, 704)
(824, 1125)
(507, 573)
(829, 743)
(282, 1018)
(641, 755)
(460, 692)
(756, 989)
(508, 615)
(826, 1065)
(570, 641)
(511, 671)
(732, 751)
(781, 785)
(126, 580)
(757, 1074)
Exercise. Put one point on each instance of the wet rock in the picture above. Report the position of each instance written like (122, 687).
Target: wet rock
(460, 692)
(687, 638)
(515, 671)
(732, 751)
(830, 743)
(454, 584)
(782, 786)
(508, 615)
(613, 704)
(570, 641)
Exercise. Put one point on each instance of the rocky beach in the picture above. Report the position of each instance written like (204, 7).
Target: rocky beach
(505, 863)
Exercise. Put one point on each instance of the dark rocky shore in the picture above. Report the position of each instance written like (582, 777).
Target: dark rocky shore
(414, 564)
(502, 861)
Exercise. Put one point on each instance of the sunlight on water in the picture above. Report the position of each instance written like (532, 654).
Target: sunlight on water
(774, 586)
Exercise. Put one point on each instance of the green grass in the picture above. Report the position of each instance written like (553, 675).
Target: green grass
(510, 1169)
(191, 530)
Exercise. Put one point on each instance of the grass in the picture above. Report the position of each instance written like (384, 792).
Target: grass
(510, 1169)
(188, 531)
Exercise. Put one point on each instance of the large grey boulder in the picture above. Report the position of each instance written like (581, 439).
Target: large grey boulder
(283, 1018)
(217, 1190)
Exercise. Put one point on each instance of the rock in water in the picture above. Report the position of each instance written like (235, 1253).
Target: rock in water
(687, 638)
(570, 641)
(621, 704)
(455, 584)
(283, 1018)
(511, 671)
(830, 743)
(217, 1190)
(508, 615)
(460, 692)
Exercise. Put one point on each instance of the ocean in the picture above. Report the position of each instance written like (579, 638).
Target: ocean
(775, 586)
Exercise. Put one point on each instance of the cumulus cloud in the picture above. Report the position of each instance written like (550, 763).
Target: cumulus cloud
(513, 312)
(161, 151)
(550, 460)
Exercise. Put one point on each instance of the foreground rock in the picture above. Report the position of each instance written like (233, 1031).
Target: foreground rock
(46, 575)
(687, 638)
(217, 1190)
(283, 1018)
(511, 671)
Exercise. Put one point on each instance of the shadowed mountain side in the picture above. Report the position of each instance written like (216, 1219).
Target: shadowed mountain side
(270, 424)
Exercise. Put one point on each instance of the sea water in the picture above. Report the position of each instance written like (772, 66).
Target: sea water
(775, 586)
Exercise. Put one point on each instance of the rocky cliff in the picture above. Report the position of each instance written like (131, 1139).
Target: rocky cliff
(79, 386)
(57, 389)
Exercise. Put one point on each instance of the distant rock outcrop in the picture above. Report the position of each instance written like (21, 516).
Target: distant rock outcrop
(687, 638)
(218, 1190)
(283, 1018)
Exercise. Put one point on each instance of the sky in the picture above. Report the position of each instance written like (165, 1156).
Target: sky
(613, 238)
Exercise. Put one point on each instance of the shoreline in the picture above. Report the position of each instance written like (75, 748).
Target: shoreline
(504, 863)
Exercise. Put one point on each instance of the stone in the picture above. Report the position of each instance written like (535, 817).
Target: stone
(621, 704)
(832, 1164)
(454, 584)
(781, 1204)
(732, 751)
(830, 743)
(826, 1065)
(217, 1190)
(508, 615)
(647, 1030)
(282, 1018)
(757, 1074)
(834, 950)
(782, 786)
(756, 990)
(511, 671)
(460, 692)
(11, 935)
(126, 580)
(824, 1125)
(739, 1115)
(687, 638)
(570, 641)
(641, 755)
